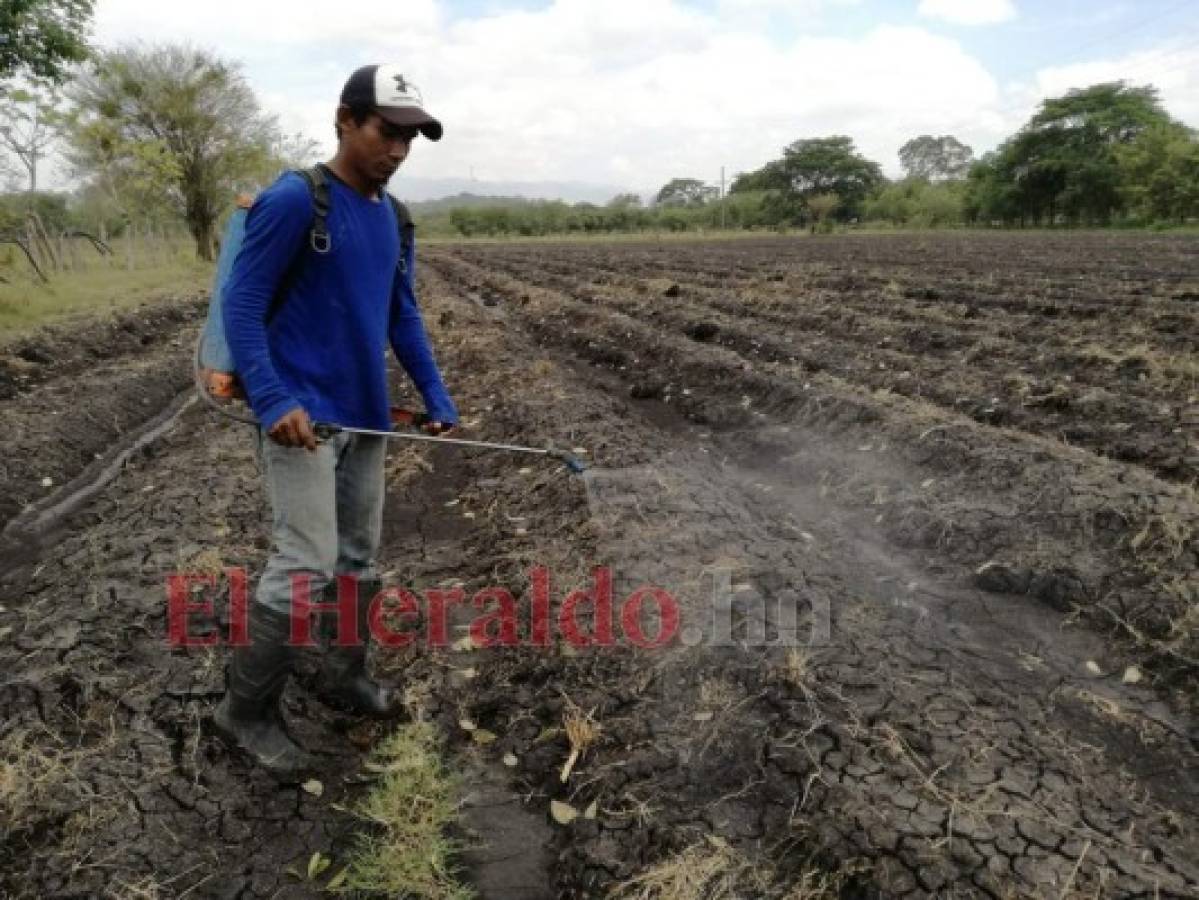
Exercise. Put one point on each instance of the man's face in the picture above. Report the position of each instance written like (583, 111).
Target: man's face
(376, 147)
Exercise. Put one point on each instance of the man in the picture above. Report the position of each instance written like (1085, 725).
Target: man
(309, 345)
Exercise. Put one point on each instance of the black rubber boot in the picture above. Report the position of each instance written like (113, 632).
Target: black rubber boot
(248, 717)
(343, 681)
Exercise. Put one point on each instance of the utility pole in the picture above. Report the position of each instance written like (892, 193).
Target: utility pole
(722, 198)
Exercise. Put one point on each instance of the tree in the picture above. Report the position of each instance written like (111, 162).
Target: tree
(1065, 159)
(1160, 173)
(174, 122)
(41, 38)
(828, 165)
(822, 206)
(1106, 114)
(50, 208)
(31, 122)
(936, 158)
(290, 151)
(918, 202)
(768, 178)
(625, 201)
(685, 192)
(1065, 162)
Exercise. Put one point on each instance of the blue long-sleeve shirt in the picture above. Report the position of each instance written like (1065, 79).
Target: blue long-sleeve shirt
(325, 347)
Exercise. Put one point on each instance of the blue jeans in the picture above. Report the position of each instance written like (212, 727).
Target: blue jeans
(327, 511)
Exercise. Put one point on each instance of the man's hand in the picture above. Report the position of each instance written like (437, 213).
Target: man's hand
(294, 430)
(436, 428)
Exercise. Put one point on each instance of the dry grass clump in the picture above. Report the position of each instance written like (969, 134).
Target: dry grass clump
(718, 694)
(796, 669)
(710, 870)
(31, 775)
(143, 889)
(582, 731)
(713, 870)
(408, 853)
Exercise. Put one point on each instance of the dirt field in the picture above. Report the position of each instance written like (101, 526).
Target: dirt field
(969, 462)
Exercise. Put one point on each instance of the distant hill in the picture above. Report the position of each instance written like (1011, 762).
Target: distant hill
(465, 200)
(421, 190)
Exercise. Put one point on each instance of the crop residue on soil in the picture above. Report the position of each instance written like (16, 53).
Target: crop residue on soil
(965, 463)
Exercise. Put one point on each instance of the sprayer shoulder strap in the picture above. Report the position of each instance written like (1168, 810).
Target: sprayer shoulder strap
(407, 229)
(318, 239)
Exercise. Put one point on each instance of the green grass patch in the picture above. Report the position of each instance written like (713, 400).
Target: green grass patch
(27, 304)
(406, 852)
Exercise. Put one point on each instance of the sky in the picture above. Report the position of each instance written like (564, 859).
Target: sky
(631, 93)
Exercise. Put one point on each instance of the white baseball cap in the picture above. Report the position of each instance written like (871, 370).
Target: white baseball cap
(392, 96)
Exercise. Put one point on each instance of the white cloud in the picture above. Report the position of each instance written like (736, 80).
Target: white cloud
(629, 92)
(793, 9)
(968, 12)
(263, 23)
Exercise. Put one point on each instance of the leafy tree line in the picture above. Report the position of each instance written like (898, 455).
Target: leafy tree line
(1104, 154)
(623, 214)
(1107, 154)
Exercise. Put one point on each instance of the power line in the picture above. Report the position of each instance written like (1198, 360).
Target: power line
(1072, 56)
(1152, 60)
(1124, 32)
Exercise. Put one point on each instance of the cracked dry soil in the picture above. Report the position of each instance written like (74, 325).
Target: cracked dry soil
(968, 460)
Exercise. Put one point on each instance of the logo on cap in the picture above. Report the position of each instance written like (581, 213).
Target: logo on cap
(401, 84)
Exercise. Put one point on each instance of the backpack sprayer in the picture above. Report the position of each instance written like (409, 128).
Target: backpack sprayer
(216, 380)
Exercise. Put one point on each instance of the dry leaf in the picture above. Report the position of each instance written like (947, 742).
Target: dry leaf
(1132, 675)
(593, 810)
(467, 725)
(1093, 667)
(313, 787)
(563, 813)
(511, 761)
(482, 736)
